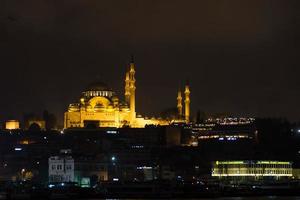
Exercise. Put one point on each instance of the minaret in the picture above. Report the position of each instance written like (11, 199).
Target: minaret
(187, 103)
(179, 104)
(132, 90)
(127, 88)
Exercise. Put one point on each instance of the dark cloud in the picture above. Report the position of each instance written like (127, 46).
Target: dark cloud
(240, 56)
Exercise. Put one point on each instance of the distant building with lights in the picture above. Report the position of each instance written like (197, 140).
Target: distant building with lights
(227, 129)
(99, 106)
(12, 124)
(252, 170)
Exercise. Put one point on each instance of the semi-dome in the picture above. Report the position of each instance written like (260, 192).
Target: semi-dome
(99, 107)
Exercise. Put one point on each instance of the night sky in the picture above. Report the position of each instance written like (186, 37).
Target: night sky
(241, 57)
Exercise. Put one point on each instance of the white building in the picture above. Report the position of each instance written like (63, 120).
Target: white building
(61, 168)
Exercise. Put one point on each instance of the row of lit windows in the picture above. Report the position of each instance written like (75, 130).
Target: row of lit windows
(75, 126)
(98, 93)
(226, 136)
(60, 167)
(60, 178)
(107, 112)
(253, 171)
(253, 165)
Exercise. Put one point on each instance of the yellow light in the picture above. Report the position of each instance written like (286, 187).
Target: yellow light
(229, 162)
(276, 175)
(12, 124)
(252, 168)
(274, 162)
(24, 142)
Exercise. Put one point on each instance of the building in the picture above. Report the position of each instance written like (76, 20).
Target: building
(36, 123)
(99, 106)
(61, 168)
(12, 125)
(88, 170)
(226, 129)
(252, 170)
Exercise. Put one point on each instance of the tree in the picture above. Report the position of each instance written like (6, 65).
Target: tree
(50, 120)
(170, 114)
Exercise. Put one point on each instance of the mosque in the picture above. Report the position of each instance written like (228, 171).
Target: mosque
(99, 106)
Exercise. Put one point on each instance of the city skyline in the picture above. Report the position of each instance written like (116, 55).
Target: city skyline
(240, 58)
(149, 99)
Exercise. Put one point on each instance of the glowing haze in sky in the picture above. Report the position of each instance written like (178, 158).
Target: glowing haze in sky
(241, 57)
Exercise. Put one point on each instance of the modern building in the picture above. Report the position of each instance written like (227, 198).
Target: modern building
(99, 106)
(252, 170)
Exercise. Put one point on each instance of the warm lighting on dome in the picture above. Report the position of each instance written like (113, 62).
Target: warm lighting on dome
(99, 106)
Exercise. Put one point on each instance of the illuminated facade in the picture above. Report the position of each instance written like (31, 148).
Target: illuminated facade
(187, 103)
(99, 106)
(179, 104)
(252, 169)
(183, 118)
(12, 124)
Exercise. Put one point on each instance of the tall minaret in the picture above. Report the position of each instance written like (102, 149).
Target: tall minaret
(179, 104)
(187, 103)
(132, 90)
(127, 88)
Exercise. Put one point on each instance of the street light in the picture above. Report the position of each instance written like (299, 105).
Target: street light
(115, 168)
(113, 158)
(23, 174)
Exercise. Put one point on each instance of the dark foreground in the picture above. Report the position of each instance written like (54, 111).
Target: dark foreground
(25, 190)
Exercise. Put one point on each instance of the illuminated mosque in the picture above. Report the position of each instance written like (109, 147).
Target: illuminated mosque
(100, 107)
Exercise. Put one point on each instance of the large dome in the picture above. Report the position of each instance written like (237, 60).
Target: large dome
(98, 89)
(98, 86)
